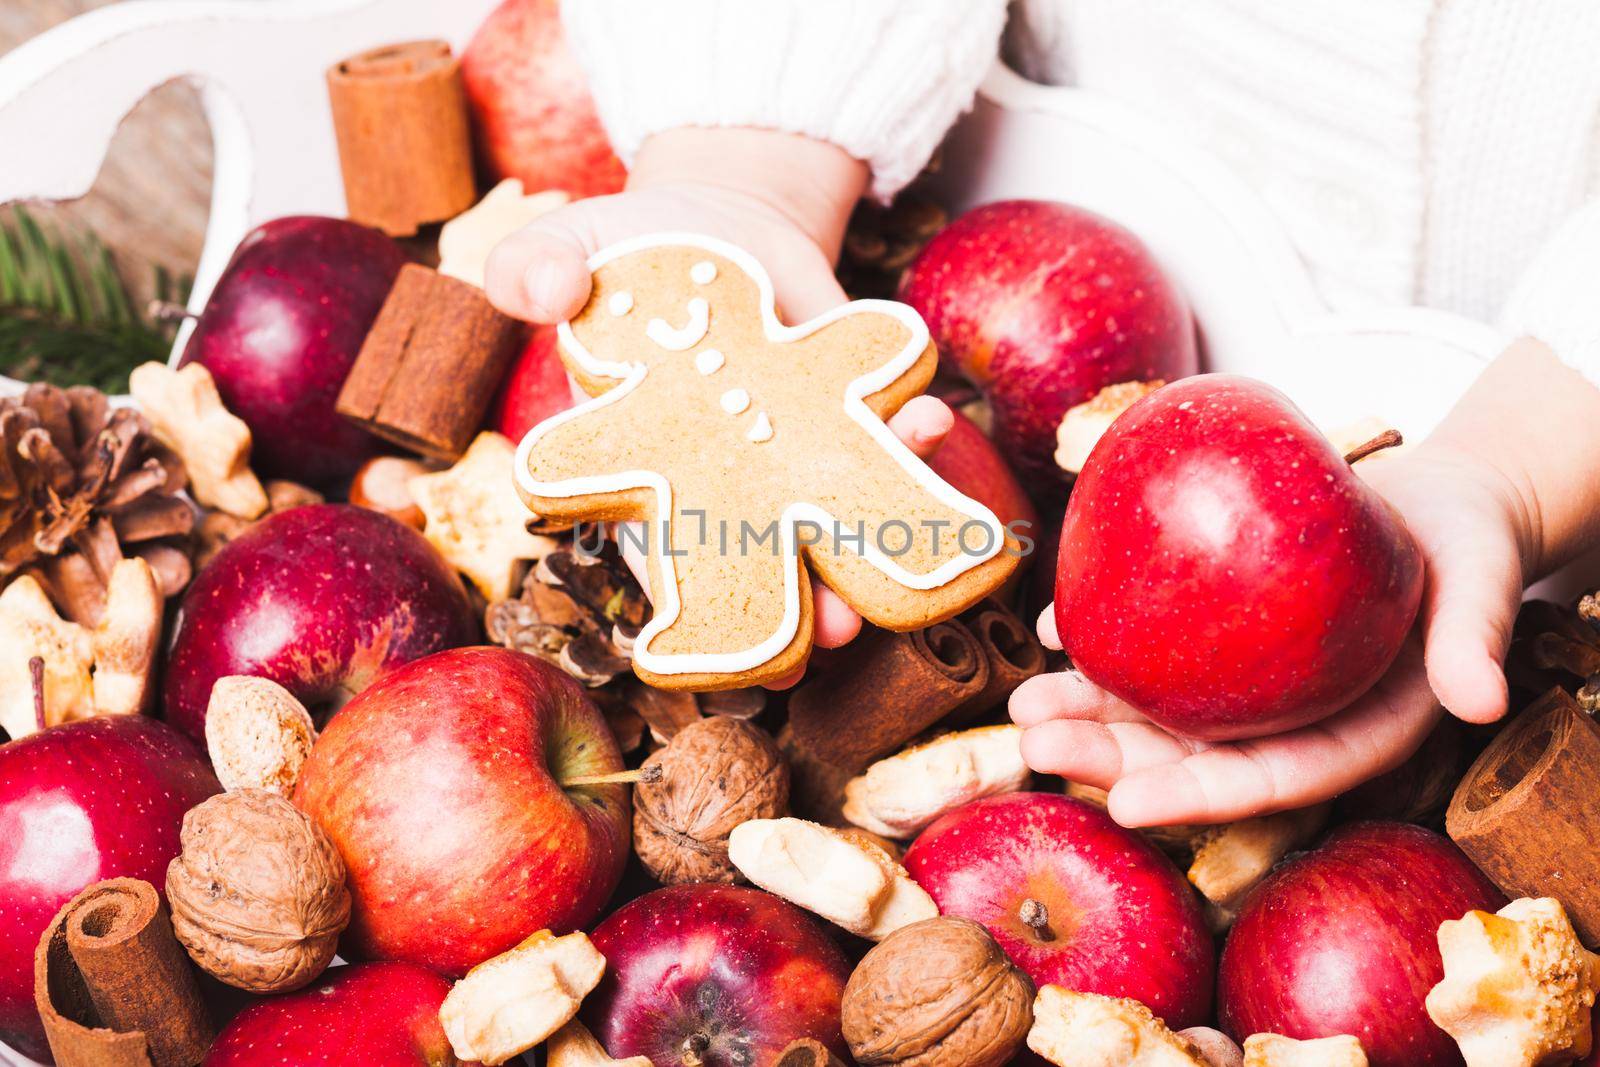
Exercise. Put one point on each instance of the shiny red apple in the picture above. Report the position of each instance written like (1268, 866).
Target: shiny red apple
(1041, 305)
(1224, 570)
(281, 331)
(725, 974)
(440, 785)
(80, 803)
(380, 1014)
(1074, 899)
(531, 109)
(535, 388)
(1344, 940)
(321, 599)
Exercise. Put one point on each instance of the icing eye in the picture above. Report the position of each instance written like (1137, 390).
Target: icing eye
(703, 272)
(762, 429)
(621, 302)
(709, 361)
(735, 401)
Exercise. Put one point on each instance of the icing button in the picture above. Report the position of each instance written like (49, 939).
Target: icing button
(708, 361)
(703, 272)
(621, 303)
(762, 430)
(734, 401)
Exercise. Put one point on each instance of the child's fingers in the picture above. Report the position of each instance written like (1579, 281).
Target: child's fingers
(922, 423)
(1474, 591)
(541, 273)
(835, 621)
(1066, 695)
(1049, 636)
(1227, 782)
(1100, 754)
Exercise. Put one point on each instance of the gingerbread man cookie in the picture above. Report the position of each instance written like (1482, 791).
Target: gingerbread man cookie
(754, 453)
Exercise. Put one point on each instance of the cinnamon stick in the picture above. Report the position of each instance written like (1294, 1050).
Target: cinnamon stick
(807, 1052)
(882, 691)
(405, 148)
(430, 365)
(112, 985)
(1013, 653)
(1527, 811)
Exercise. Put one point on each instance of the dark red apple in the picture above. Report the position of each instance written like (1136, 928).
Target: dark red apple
(1223, 569)
(724, 974)
(1074, 899)
(531, 109)
(535, 388)
(1344, 940)
(79, 803)
(969, 461)
(441, 787)
(321, 599)
(1042, 305)
(281, 331)
(382, 1014)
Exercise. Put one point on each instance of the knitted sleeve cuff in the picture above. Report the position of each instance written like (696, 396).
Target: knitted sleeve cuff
(1557, 299)
(882, 79)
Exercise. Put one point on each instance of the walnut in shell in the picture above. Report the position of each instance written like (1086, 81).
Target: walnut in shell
(715, 774)
(258, 893)
(937, 992)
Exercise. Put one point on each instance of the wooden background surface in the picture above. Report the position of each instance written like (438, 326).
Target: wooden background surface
(151, 200)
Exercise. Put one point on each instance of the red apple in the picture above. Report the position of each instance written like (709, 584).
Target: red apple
(1222, 568)
(441, 787)
(321, 599)
(80, 803)
(725, 974)
(969, 461)
(280, 333)
(382, 1014)
(535, 388)
(1074, 899)
(531, 107)
(1344, 940)
(1042, 305)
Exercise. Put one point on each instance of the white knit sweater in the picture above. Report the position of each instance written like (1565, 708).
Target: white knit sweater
(1443, 153)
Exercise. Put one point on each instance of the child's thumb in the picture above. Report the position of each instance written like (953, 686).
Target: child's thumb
(1472, 600)
(540, 273)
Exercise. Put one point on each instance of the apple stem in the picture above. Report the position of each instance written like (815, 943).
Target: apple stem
(1036, 917)
(36, 676)
(693, 1047)
(648, 775)
(1386, 439)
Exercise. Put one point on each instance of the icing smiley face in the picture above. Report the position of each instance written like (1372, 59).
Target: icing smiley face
(714, 423)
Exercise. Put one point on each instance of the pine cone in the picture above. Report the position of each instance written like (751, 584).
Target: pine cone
(579, 612)
(880, 243)
(1555, 645)
(82, 485)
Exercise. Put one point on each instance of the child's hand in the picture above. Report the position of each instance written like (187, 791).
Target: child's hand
(1474, 531)
(785, 199)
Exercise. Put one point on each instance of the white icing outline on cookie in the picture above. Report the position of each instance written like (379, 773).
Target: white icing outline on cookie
(681, 338)
(629, 375)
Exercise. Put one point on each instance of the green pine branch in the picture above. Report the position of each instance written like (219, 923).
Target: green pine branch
(65, 315)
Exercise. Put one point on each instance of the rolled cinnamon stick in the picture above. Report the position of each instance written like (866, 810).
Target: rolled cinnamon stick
(430, 365)
(1013, 653)
(882, 691)
(807, 1052)
(1527, 811)
(405, 149)
(112, 985)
